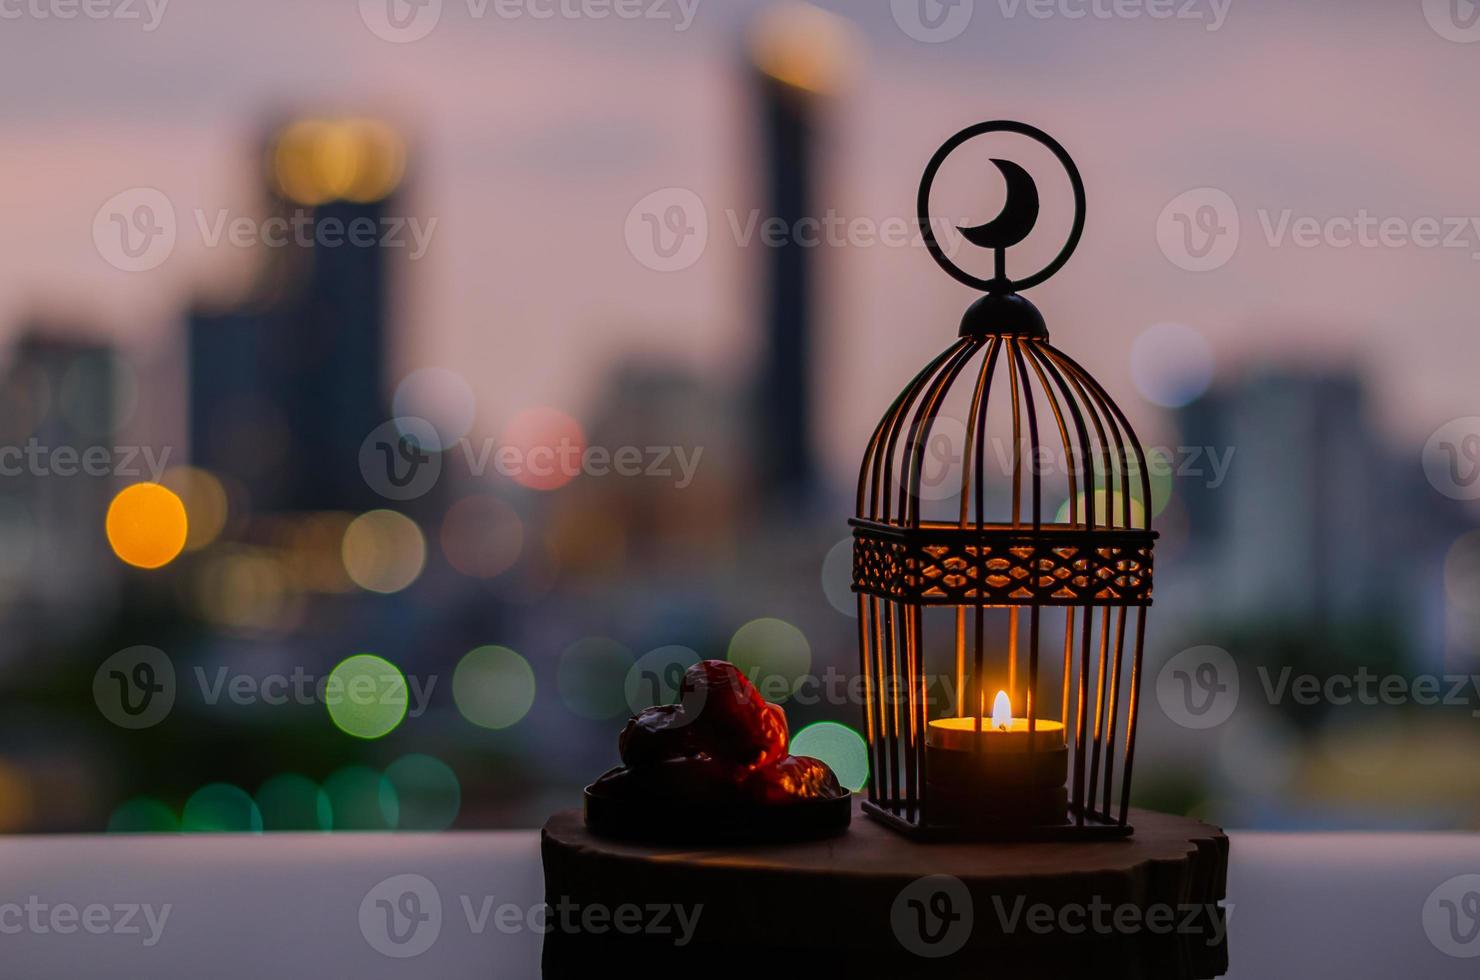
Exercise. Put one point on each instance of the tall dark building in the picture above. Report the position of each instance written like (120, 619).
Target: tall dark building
(60, 400)
(800, 55)
(784, 411)
(285, 386)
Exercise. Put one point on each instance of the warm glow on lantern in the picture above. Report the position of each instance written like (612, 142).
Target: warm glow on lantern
(1002, 712)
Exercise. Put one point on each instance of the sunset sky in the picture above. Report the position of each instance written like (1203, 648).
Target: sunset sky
(533, 139)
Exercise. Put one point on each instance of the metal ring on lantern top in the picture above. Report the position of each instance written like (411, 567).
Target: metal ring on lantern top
(1000, 283)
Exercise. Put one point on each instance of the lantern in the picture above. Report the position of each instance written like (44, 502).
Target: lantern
(1000, 630)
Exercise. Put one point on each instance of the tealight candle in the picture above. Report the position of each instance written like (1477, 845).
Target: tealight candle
(1001, 733)
(997, 771)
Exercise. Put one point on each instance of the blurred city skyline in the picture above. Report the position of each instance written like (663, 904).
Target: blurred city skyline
(530, 195)
(1284, 275)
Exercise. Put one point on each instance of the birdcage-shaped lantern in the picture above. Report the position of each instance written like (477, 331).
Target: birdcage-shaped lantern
(1002, 585)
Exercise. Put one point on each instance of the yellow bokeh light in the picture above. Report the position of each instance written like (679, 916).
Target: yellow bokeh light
(318, 160)
(383, 551)
(205, 503)
(805, 47)
(146, 525)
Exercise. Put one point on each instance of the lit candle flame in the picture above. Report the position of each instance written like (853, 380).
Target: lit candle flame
(1002, 712)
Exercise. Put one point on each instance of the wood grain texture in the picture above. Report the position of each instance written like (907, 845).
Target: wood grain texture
(833, 902)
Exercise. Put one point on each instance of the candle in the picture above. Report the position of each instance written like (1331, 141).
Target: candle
(995, 772)
(1001, 733)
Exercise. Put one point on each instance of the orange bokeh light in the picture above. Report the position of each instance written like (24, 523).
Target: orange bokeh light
(146, 525)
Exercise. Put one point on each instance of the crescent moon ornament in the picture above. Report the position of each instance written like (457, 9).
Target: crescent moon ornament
(1018, 215)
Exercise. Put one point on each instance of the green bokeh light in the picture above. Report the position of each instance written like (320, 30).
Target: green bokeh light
(592, 677)
(493, 687)
(843, 749)
(221, 808)
(366, 696)
(289, 801)
(357, 802)
(143, 815)
(774, 654)
(419, 792)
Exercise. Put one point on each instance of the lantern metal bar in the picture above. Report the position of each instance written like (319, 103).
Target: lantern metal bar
(1082, 716)
(920, 428)
(1094, 769)
(977, 423)
(1031, 413)
(865, 668)
(1115, 682)
(975, 437)
(1130, 724)
(874, 459)
(891, 630)
(887, 697)
(1035, 358)
(912, 755)
(1113, 410)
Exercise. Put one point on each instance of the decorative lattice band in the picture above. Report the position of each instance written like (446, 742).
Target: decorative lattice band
(1009, 566)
